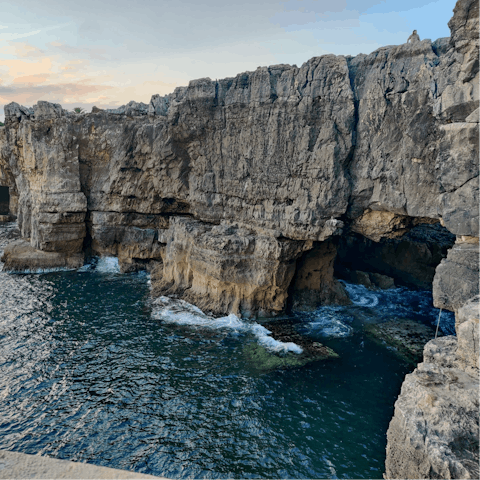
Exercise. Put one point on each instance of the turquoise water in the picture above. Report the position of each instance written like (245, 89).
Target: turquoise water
(89, 372)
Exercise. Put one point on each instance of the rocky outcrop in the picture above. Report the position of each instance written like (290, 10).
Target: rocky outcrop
(225, 269)
(435, 429)
(235, 192)
(456, 278)
(273, 162)
(19, 257)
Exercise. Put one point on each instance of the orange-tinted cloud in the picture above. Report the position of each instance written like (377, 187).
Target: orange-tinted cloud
(22, 50)
(72, 77)
(31, 79)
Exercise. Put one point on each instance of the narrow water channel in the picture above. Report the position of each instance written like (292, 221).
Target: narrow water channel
(87, 373)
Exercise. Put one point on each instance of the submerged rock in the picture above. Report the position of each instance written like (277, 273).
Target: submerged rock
(407, 337)
(263, 359)
(284, 331)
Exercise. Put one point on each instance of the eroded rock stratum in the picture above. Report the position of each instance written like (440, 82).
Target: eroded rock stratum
(265, 165)
(235, 192)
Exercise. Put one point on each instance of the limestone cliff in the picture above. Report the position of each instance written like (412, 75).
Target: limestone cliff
(435, 430)
(235, 193)
(226, 184)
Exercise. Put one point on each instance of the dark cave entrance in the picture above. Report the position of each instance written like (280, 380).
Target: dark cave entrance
(409, 260)
(4, 201)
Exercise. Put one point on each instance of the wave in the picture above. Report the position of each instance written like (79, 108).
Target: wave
(183, 313)
(361, 296)
(102, 265)
(37, 271)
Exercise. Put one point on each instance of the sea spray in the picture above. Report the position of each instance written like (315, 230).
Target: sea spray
(101, 265)
(183, 313)
(107, 265)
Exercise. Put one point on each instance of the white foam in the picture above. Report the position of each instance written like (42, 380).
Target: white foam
(361, 296)
(41, 270)
(87, 267)
(184, 313)
(330, 327)
(107, 265)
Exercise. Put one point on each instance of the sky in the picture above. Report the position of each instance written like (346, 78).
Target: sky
(108, 52)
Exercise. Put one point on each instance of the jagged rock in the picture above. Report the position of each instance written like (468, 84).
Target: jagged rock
(133, 109)
(456, 278)
(435, 431)
(159, 105)
(466, 326)
(285, 152)
(15, 112)
(227, 268)
(47, 111)
(116, 111)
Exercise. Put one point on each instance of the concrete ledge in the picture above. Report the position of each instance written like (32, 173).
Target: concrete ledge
(15, 465)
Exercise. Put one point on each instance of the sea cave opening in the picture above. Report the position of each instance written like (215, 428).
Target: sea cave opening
(4, 200)
(409, 260)
(353, 285)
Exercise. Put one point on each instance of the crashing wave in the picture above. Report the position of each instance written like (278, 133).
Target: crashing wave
(102, 265)
(184, 313)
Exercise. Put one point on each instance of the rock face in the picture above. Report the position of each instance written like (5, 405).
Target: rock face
(211, 267)
(456, 278)
(313, 283)
(435, 430)
(234, 192)
(226, 184)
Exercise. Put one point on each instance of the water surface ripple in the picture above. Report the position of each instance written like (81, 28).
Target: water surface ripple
(87, 374)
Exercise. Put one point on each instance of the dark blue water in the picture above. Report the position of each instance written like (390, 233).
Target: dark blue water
(88, 374)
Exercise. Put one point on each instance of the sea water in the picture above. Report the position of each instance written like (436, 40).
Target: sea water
(92, 370)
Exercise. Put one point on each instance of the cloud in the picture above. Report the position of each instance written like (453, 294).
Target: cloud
(114, 51)
(14, 36)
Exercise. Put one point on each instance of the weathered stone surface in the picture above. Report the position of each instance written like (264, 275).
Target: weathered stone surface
(407, 337)
(128, 236)
(21, 465)
(466, 326)
(435, 430)
(456, 278)
(224, 185)
(313, 284)
(293, 154)
(405, 96)
(19, 256)
(226, 268)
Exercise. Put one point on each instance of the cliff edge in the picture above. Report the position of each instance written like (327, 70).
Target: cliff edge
(234, 193)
